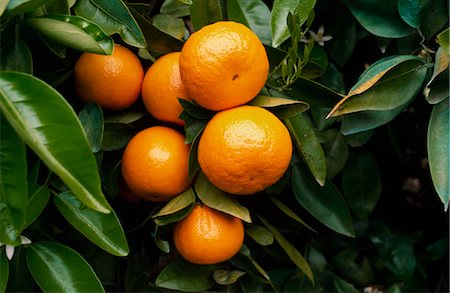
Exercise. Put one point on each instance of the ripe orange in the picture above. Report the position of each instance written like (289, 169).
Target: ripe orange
(155, 164)
(161, 88)
(208, 236)
(113, 82)
(244, 150)
(223, 65)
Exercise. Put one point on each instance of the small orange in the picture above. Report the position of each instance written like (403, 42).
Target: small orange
(113, 82)
(223, 65)
(161, 88)
(155, 164)
(208, 236)
(244, 150)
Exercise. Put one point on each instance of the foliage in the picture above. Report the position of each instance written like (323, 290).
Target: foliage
(361, 85)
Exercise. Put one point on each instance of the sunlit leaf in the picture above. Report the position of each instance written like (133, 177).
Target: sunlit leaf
(443, 40)
(58, 268)
(224, 277)
(74, 32)
(437, 88)
(283, 108)
(178, 203)
(104, 230)
(174, 217)
(261, 235)
(47, 123)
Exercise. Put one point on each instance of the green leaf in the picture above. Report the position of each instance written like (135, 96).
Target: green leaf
(336, 151)
(282, 108)
(205, 12)
(47, 123)
(104, 230)
(170, 25)
(437, 88)
(91, 117)
(324, 203)
(178, 203)
(158, 42)
(16, 56)
(253, 13)
(16, 7)
(314, 93)
(195, 110)
(217, 199)
(380, 20)
(438, 144)
(126, 117)
(317, 63)
(37, 200)
(162, 244)
(443, 40)
(194, 166)
(13, 183)
(354, 265)
(184, 276)
(116, 135)
(290, 250)
(343, 286)
(113, 16)
(58, 268)
(4, 271)
(343, 31)
(290, 213)
(174, 217)
(261, 235)
(361, 184)
(3, 5)
(411, 11)
(384, 89)
(308, 145)
(192, 127)
(358, 139)
(280, 11)
(175, 8)
(225, 277)
(74, 32)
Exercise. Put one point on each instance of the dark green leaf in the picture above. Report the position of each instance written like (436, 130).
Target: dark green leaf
(37, 200)
(290, 250)
(290, 213)
(411, 11)
(435, 18)
(193, 127)
(184, 276)
(56, 6)
(252, 284)
(353, 265)
(116, 135)
(4, 270)
(358, 139)
(175, 8)
(436, 250)
(282, 108)
(317, 63)
(58, 268)
(175, 217)
(170, 25)
(162, 244)
(16, 56)
(178, 203)
(253, 13)
(158, 42)
(308, 145)
(91, 117)
(126, 117)
(324, 203)
(113, 16)
(438, 144)
(261, 235)
(361, 184)
(20, 278)
(224, 277)
(343, 30)
(16, 7)
(205, 12)
(336, 151)
(380, 20)
(13, 183)
(219, 200)
(333, 78)
(342, 286)
(74, 32)
(437, 88)
(47, 123)
(196, 110)
(314, 93)
(280, 11)
(194, 166)
(104, 230)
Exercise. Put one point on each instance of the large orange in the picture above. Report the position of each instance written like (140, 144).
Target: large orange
(114, 81)
(244, 150)
(162, 87)
(223, 65)
(155, 164)
(208, 236)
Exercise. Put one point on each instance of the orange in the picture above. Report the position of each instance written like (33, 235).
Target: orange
(113, 82)
(244, 150)
(208, 236)
(155, 164)
(223, 65)
(161, 88)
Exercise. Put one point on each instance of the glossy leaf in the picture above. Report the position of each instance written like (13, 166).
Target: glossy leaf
(438, 144)
(224, 277)
(91, 117)
(325, 203)
(113, 16)
(16, 7)
(290, 250)
(437, 88)
(116, 135)
(178, 203)
(16, 56)
(104, 230)
(261, 235)
(37, 200)
(74, 32)
(282, 108)
(47, 123)
(336, 151)
(170, 25)
(290, 213)
(253, 13)
(205, 12)
(280, 11)
(58, 268)
(184, 276)
(308, 145)
(4, 270)
(361, 184)
(217, 199)
(13, 183)
(380, 20)
(174, 217)
(175, 8)
(411, 11)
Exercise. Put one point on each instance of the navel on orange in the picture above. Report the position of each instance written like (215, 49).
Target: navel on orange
(223, 65)
(244, 150)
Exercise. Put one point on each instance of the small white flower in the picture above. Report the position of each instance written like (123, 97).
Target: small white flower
(320, 37)
(9, 249)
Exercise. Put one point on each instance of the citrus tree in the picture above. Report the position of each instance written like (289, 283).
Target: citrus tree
(360, 89)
